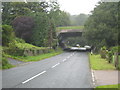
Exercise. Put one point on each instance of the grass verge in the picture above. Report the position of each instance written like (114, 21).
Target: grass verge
(97, 63)
(109, 86)
(35, 58)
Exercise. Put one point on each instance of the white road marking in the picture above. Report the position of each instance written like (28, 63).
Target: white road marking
(68, 57)
(33, 77)
(93, 78)
(55, 65)
(64, 60)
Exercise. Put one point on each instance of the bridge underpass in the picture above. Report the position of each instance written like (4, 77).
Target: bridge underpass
(63, 35)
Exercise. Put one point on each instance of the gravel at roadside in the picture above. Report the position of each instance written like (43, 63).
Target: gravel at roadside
(15, 62)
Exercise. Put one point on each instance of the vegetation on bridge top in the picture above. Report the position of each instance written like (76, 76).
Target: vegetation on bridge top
(70, 27)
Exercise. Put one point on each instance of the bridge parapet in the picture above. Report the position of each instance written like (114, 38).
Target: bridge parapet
(69, 31)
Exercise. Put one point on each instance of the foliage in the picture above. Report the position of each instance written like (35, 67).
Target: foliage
(61, 18)
(0, 57)
(97, 63)
(41, 29)
(5, 63)
(23, 27)
(118, 23)
(35, 22)
(78, 19)
(24, 45)
(103, 48)
(101, 27)
(38, 57)
(110, 56)
(18, 40)
(11, 10)
(19, 48)
(115, 49)
(119, 62)
(103, 52)
(7, 35)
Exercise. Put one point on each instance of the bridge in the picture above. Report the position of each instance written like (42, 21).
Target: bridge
(64, 34)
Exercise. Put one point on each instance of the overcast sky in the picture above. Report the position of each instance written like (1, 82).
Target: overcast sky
(75, 7)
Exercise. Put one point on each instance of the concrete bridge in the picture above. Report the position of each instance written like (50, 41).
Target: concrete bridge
(64, 34)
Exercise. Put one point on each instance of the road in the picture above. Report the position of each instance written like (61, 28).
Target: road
(67, 70)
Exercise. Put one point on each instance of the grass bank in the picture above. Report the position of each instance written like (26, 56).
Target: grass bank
(97, 63)
(36, 58)
(109, 86)
(70, 27)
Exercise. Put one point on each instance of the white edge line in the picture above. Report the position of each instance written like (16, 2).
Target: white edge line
(93, 78)
(33, 77)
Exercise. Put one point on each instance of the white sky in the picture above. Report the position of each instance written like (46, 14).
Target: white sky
(75, 7)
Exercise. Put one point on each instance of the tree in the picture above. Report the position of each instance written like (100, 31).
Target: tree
(40, 31)
(35, 22)
(78, 19)
(101, 27)
(61, 18)
(23, 27)
(119, 24)
(11, 10)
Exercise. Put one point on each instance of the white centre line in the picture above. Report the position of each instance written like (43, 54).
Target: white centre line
(64, 60)
(68, 57)
(55, 65)
(33, 77)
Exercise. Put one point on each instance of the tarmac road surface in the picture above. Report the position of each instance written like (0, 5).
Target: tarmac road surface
(67, 70)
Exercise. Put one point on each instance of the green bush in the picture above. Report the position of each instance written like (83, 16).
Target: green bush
(116, 49)
(24, 49)
(110, 56)
(7, 35)
(5, 63)
(103, 52)
(119, 63)
(13, 49)
(19, 40)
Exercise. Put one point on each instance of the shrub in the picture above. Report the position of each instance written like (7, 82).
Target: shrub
(116, 49)
(24, 49)
(15, 50)
(7, 35)
(5, 63)
(110, 56)
(103, 48)
(19, 40)
(103, 52)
